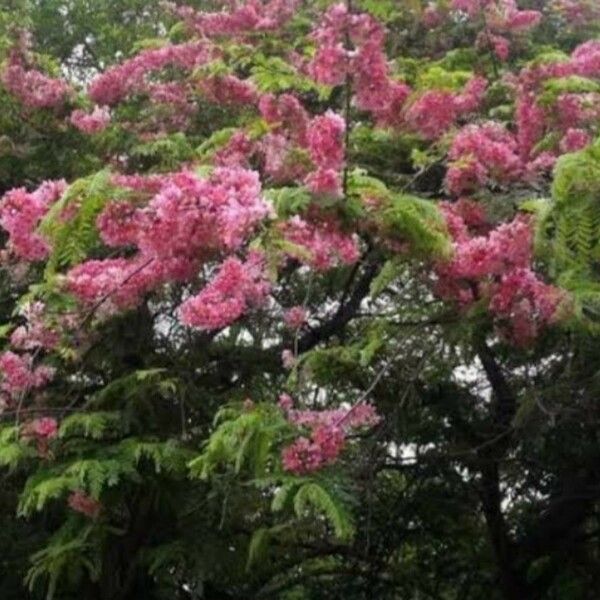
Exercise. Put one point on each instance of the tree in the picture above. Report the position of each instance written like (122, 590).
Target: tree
(300, 300)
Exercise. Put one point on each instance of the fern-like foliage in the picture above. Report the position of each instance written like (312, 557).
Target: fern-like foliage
(94, 425)
(14, 451)
(72, 554)
(568, 233)
(411, 220)
(70, 225)
(96, 469)
(241, 441)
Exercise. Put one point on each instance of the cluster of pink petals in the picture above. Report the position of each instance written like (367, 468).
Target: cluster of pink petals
(574, 140)
(291, 129)
(432, 16)
(189, 215)
(286, 115)
(572, 118)
(288, 360)
(578, 12)
(252, 15)
(278, 160)
(228, 90)
(35, 333)
(584, 61)
(295, 317)
(500, 14)
(186, 221)
(523, 305)
(93, 122)
(31, 87)
(365, 65)
(501, 17)
(328, 433)
(82, 503)
(45, 428)
(435, 111)
(325, 138)
(237, 287)
(481, 154)
(496, 268)
(131, 77)
(504, 248)
(236, 153)
(326, 141)
(20, 213)
(117, 283)
(19, 375)
(323, 245)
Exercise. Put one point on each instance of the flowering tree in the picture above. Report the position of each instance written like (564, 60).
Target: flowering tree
(297, 275)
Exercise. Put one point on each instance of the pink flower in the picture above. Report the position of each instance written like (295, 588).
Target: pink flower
(228, 89)
(325, 182)
(574, 140)
(18, 374)
(432, 114)
(235, 289)
(130, 77)
(20, 213)
(323, 245)
(524, 304)
(45, 427)
(245, 17)
(288, 359)
(326, 141)
(82, 503)
(31, 87)
(432, 17)
(481, 154)
(295, 317)
(91, 123)
(329, 429)
(286, 402)
(36, 333)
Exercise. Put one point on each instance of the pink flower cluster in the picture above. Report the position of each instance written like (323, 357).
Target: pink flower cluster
(44, 428)
(495, 268)
(93, 122)
(82, 503)
(323, 245)
(481, 154)
(328, 433)
(523, 305)
(253, 15)
(435, 111)
(365, 64)
(228, 90)
(500, 17)
(41, 431)
(186, 221)
(326, 146)
(236, 288)
(20, 213)
(291, 128)
(286, 115)
(35, 333)
(19, 375)
(236, 153)
(131, 77)
(572, 119)
(578, 12)
(295, 317)
(31, 87)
